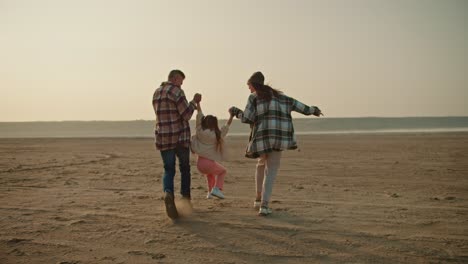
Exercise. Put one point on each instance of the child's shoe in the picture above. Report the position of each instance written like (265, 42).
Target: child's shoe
(217, 193)
(209, 196)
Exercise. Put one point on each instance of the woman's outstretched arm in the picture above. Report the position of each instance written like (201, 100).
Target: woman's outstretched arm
(304, 109)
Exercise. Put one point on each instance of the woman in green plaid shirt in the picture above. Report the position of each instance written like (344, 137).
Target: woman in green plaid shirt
(268, 112)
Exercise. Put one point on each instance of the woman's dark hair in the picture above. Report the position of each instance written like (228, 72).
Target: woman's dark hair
(265, 92)
(211, 122)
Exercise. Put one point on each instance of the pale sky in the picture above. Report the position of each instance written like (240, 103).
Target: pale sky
(103, 59)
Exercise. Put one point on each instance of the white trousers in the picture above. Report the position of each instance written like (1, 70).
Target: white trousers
(267, 169)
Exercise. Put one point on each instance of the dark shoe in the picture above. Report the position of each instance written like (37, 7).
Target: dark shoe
(171, 209)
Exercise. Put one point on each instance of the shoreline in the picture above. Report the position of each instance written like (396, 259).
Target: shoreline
(386, 132)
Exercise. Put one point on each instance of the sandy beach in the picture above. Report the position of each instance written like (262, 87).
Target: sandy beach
(356, 198)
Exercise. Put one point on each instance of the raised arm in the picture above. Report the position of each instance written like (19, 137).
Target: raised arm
(199, 116)
(185, 108)
(225, 128)
(229, 122)
(249, 115)
(304, 109)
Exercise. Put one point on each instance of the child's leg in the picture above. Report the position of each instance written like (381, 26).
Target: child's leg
(202, 166)
(220, 172)
(259, 176)
(210, 179)
(211, 168)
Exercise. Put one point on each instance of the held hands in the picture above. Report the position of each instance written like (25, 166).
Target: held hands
(231, 112)
(197, 98)
(234, 111)
(317, 112)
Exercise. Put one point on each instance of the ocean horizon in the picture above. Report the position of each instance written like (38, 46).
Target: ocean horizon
(302, 126)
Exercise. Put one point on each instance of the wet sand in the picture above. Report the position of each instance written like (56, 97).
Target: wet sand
(362, 198)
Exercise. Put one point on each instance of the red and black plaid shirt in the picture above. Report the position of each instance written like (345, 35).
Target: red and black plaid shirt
(173, 113)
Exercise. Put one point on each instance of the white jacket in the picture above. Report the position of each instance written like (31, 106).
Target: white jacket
(204, 141)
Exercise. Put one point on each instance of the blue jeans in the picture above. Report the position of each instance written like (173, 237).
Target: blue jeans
(169, 160)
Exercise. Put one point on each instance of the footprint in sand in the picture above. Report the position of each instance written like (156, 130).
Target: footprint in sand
(77, 222)
(298, 187)
(393, 195)
(144, 253)
(448, 198)
(70, 182)
(16, 252)
(14, 241)
(61, 219)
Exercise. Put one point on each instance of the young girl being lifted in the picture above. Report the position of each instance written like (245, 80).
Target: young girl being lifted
(208, 144)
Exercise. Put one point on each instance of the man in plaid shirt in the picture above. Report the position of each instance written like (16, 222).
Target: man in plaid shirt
(172, 135)
(268, 112)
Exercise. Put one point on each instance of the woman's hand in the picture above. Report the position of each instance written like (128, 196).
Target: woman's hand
(234, 111)
(231, 113)
(317, 112)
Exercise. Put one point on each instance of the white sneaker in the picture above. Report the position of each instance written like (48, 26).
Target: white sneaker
(264, 211)
(257, 204)
(209, 196)
(217, 193)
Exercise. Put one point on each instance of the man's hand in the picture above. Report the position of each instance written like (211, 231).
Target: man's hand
(317, 112)
(197, 98)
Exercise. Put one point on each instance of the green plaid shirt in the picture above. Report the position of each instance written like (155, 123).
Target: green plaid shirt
(271, 121)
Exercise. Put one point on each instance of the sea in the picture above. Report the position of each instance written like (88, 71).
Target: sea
(302, 126)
